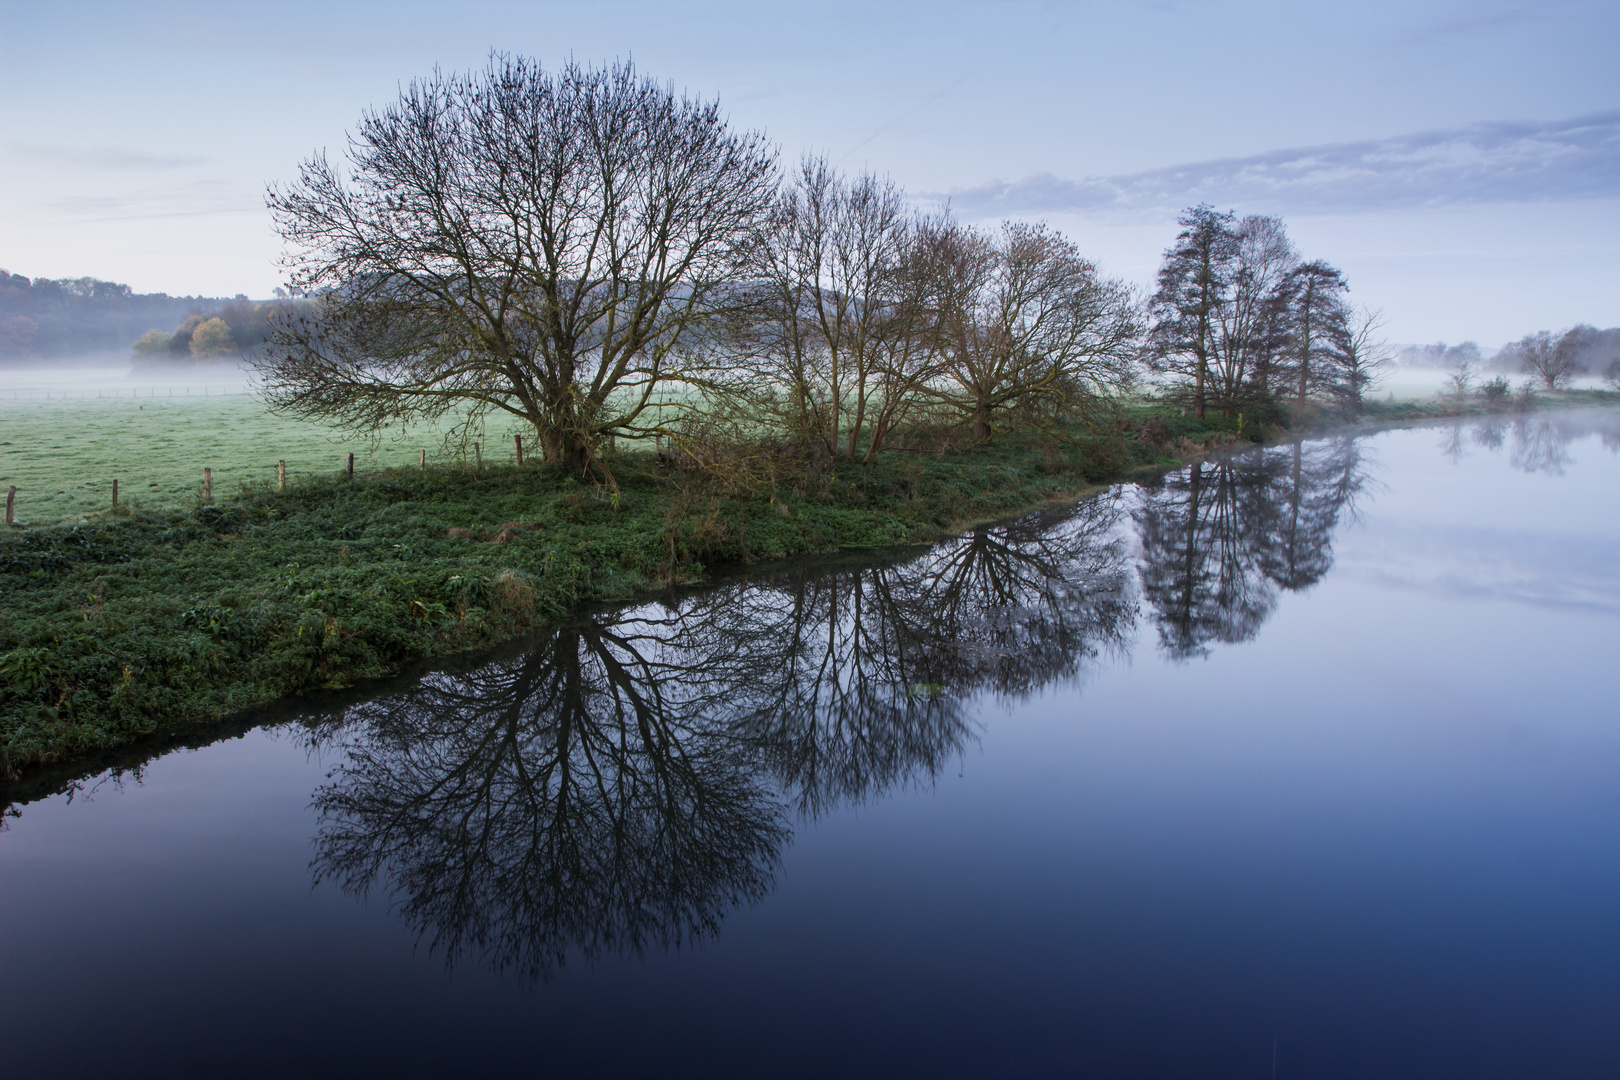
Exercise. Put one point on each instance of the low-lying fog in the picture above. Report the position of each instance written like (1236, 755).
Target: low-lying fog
(106, 377)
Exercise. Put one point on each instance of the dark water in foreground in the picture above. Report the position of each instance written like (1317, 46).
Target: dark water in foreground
(1302, 764)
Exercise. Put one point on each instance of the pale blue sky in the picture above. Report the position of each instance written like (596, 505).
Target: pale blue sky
(1460, 161)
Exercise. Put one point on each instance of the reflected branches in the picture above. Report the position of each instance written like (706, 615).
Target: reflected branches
(627, 778)
(1222, 537)
(560, 799)
(1535, 443)
(630, 777)
(871, 672)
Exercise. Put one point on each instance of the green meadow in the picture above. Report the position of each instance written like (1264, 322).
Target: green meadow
(63, 455)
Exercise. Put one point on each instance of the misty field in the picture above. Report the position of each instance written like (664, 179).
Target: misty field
(63, 455)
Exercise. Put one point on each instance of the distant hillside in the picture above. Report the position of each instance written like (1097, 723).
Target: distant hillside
(42, 320)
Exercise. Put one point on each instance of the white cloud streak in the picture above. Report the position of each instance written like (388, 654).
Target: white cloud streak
(100, 157)
(1500, 162)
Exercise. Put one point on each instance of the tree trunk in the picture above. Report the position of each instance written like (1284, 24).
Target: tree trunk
(856, 422)
(573, 454)
(981, 423)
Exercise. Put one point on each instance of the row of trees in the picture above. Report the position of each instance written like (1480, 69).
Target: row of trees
(1555, 360)
(588, 254)
(1240, 319)
(1552, 360)
(43, 319)
(857, 315)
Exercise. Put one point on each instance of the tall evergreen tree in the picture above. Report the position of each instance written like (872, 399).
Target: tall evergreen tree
(1195, 282)
(1318, 328)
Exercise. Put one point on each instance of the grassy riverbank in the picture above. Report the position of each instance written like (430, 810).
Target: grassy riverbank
(147, 622)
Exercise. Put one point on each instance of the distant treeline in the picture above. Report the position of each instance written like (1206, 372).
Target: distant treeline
(1582, 349)
(43, 319)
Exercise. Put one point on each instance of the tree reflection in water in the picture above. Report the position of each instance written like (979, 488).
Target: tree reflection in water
(631, 776)
(1540, 444)
(580, 794)
(869, 673)
(1220, 538)
(628, 777)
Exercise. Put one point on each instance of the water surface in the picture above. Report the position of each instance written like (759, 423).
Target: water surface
(1301, 763)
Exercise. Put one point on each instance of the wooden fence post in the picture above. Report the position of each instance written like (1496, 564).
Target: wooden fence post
(208, 485)
(11, 502)
(423, 460)
(351, 465)
(517, 444)
(478, 456)
(115, 494)
(281, 475)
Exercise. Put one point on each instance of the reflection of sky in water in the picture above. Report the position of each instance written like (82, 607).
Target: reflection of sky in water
(1500, 521)
(1369, 812)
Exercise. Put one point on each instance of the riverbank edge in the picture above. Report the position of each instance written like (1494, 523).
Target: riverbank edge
(1086, 469)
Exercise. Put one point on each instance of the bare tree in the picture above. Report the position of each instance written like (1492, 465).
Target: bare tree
(1247, 324)
(835, 327)
(905, 361)
(1554, 361)
(539, 245)
(1460, 383)
(1022, 324)
(1363, 359)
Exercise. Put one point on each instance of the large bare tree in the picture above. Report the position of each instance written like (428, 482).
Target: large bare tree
(1023, 326)
(514, 241)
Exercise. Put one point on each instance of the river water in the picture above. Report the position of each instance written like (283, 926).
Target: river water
(1300, 763)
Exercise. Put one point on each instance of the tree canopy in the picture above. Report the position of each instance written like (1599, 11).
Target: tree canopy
(538, 244)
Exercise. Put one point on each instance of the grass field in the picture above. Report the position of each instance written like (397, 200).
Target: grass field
(63, 455)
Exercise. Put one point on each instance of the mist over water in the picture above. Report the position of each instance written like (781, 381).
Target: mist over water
(1307, 751)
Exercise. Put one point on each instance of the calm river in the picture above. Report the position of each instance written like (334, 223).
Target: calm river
(1302, 763)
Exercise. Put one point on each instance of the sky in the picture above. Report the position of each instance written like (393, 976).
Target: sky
(1460, 162)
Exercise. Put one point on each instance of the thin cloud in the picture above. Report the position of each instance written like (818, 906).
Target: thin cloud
(101, 157)
(1498, 162)
(207, 195)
